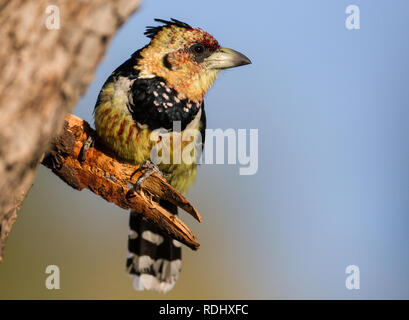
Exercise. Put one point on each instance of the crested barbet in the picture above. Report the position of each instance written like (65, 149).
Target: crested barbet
(163, 83)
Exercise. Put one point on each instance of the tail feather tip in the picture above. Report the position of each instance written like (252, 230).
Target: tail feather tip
(150, 282)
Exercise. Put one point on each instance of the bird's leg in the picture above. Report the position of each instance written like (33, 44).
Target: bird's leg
(88, 144)
(149, 169)
(56, 160)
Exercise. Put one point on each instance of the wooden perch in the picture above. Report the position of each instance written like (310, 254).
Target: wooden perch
(110, 178)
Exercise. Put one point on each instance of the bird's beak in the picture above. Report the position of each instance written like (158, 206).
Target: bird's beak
(224, 58)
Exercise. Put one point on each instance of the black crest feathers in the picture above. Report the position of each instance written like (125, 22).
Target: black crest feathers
(152, 31)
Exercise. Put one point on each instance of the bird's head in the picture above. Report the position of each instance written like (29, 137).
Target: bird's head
(188, 58)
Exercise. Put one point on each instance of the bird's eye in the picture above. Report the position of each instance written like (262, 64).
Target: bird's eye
(198, 48)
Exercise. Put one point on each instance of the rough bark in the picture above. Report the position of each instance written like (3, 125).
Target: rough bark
(44, 73)
(100, 171)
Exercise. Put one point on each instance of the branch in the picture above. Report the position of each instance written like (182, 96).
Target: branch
(105, 175)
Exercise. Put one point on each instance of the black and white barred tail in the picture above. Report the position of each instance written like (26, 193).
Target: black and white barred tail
(154, 259)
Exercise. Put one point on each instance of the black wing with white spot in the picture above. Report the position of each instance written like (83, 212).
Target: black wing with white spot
(156, 104)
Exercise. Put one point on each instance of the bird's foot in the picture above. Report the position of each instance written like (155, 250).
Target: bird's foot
(149, 169)
(56, 160)
(88, 144)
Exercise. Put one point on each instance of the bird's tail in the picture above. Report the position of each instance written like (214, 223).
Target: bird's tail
(154, 258)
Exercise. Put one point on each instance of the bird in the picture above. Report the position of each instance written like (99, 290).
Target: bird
(160, 84)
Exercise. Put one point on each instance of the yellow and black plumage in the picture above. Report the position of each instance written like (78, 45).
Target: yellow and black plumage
(161, 83)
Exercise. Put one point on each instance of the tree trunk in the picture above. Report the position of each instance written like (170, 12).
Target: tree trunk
(45, 67)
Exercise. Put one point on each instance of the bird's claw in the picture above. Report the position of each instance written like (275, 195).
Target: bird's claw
(149, 169)
(56, 160)
(88, 144)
